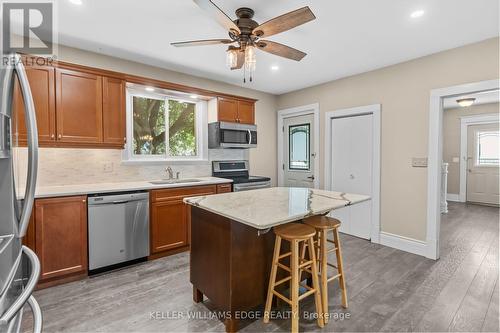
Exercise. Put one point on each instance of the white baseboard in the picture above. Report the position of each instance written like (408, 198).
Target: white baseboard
(453, 197)
(403, 243)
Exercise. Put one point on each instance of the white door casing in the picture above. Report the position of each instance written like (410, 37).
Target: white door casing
(359, 139)
(482, 178)
(311, 109)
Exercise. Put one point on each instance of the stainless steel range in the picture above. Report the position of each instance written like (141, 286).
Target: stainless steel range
(238, 172)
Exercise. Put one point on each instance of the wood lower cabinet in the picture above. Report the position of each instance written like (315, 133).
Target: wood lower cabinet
(170, 218)
(61, 236)
(78, 107)
(29, 238)
(41, 80)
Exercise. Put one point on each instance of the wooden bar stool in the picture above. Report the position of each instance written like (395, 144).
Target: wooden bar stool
(323, 224)
(296, 234)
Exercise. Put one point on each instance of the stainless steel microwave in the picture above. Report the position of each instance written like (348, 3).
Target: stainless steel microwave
(231, 135)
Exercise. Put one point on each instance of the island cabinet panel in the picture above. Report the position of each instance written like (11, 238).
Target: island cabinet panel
(170, 218)
(61, 236)
(41, 80)
(230, 262)
(78, 107)
(113, 116)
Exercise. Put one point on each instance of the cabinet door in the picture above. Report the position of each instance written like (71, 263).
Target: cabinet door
(227, 110)
(41, 80)
(113, 116)
(246, 112)
(78, 107)
(168, 225)
(61, 235)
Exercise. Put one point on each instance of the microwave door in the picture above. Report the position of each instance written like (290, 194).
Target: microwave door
(24, 159)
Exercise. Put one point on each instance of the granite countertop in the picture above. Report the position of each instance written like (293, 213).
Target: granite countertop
(269, 207)
(82, 189)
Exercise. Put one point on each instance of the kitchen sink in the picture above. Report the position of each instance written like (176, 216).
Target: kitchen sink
(174, 181)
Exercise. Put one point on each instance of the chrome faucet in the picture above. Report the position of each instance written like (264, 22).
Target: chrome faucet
(170, 172)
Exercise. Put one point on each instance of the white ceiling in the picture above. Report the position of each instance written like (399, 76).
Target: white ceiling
(348, 37)
(484, 97)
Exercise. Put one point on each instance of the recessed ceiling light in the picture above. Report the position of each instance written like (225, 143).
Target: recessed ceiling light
(275, 67)
(150, 89)
(76, 2)
(193, 96)
(465, 102)
(417, 13)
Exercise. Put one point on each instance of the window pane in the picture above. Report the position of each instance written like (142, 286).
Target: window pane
(488, 148)
(299, 147)
(148, 126)
(181, 131)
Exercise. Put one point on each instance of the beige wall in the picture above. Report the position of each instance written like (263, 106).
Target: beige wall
(262, 159)
(451, 139)
(403, 91)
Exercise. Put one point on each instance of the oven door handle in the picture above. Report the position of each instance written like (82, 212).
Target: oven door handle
(252, 186)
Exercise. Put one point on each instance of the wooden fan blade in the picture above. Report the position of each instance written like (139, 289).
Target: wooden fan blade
(284, 22)
(281, 50)
(240, 60)
(217, 13)
(202, 42)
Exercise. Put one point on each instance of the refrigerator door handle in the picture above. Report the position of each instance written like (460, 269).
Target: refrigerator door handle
(28, 289)
(37, 314)
(32, 138)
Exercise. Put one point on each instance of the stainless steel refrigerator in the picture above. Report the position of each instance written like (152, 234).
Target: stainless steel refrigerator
(19, 265)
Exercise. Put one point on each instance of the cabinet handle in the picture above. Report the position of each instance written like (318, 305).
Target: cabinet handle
(52, 136)
(125, 140)
(84, 200)
(59, 136)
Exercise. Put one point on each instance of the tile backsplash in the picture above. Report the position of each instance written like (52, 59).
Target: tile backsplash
(64, 166)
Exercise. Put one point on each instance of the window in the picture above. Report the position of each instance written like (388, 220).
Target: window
(488, 146)
(299, 157)
(164, 128)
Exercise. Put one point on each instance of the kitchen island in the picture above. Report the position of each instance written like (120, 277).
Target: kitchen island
(232, 242)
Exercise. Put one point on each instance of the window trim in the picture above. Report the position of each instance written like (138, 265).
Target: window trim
(477, 156)
(201, 128)
(308, 153)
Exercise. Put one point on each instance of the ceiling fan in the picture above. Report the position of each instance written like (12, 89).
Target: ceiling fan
(245, 35)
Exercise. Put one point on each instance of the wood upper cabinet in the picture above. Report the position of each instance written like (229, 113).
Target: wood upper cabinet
(235, 110)
(41, 80)
(61, 235)
(169, 224)
(246, 112)
(113, 110)
(227, 109)
(78, 107)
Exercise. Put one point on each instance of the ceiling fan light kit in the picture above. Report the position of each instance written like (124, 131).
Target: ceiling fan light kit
(245, 34)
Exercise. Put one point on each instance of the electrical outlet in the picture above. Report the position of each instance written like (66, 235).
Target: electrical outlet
(107, 167)
(419, 162)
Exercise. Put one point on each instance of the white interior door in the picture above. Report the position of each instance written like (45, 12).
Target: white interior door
(298, 150)
(483, 164)
(352, 161)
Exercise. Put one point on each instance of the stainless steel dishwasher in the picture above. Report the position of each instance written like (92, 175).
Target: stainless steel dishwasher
(118, 228)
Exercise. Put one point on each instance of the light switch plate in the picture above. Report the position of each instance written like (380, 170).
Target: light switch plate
(419, 162)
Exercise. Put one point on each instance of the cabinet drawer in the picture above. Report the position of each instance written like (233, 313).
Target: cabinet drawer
(224, 188)
(176, 193)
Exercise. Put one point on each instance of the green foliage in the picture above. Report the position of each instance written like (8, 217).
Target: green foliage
(149, 127)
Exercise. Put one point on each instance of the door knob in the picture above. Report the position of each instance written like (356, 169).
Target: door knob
(351, 176)
(311, 177)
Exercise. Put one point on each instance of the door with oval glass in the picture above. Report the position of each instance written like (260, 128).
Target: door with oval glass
(298, 166)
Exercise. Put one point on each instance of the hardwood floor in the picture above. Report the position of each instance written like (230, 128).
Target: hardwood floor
(389, 290)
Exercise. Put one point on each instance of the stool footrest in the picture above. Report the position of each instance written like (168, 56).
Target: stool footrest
(286, 268)
(334, 277)
(307, 263)
(332, 265)
(307, 293)
(284, 255)
(282, 297)
(283, 281)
